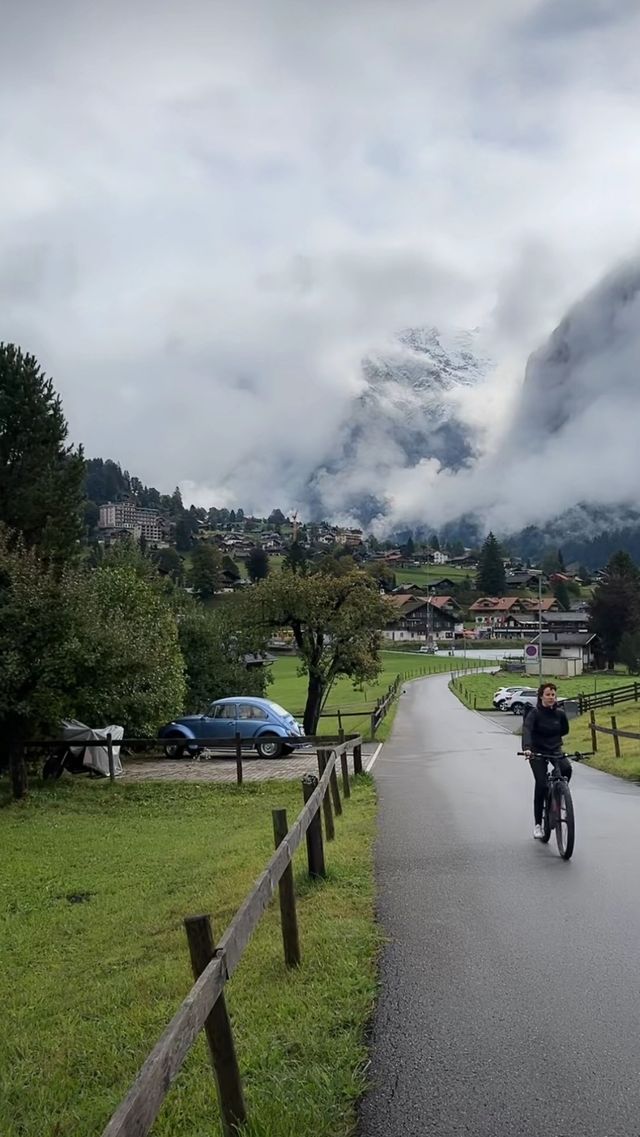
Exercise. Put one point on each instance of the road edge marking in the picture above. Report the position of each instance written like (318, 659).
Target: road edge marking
(373, 758)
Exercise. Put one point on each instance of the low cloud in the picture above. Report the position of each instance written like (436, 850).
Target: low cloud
(209, 216)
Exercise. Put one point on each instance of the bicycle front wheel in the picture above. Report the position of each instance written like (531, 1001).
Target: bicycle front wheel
(565, 821)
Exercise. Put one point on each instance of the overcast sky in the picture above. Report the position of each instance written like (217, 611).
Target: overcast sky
(210, 211)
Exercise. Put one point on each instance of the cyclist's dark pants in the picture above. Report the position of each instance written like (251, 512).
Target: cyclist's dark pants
(539, 768)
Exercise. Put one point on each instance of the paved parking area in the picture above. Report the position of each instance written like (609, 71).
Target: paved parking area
(212, 767)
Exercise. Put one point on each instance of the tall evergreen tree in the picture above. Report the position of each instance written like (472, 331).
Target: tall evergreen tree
(41, 476)
(615, 607)
(491, 579)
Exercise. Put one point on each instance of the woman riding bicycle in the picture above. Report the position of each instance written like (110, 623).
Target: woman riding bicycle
(542, 732)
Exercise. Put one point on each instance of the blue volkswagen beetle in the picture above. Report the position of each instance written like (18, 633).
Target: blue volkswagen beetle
(260, 720)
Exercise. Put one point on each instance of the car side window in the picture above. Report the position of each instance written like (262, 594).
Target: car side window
(224, 711)
(258, 713)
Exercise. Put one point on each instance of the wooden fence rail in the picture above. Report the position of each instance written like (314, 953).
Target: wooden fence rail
(609, 698)
(237, 745)
(213, 964)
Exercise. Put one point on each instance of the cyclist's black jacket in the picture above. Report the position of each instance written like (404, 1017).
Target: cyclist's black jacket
(543, 730)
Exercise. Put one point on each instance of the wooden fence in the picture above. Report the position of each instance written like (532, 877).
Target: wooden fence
(613, 731)
(609, 698)
(375, 712)
(237, 745)
(213, 963)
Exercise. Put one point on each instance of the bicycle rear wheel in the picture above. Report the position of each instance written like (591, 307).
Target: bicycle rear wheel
(565, 822)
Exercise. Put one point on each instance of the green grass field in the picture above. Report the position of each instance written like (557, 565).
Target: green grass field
(290, 689)
(94, 884)
(627, 718)
(426, 575)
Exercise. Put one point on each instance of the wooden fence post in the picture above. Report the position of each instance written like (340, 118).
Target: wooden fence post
(357, 758)
(218, 1031)
(329, 827)
(112, 768)
(340, 730)
(335, 790)
(315, 847)
(238, 759)
(616, 740)
(373, 726)
(344, 762)
(288, 914)
(592, 728)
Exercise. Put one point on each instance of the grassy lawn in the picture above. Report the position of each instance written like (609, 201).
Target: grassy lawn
(627, 718)
(290, 689)
(426, 575)
(94, 884)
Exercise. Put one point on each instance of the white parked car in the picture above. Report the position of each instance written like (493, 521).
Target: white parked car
(428, 649)
(502, 694)
(526, 697)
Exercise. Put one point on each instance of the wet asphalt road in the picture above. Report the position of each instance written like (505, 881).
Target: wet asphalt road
(510, 1001)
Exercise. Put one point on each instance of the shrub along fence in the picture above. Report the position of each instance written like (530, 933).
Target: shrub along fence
(213, 963)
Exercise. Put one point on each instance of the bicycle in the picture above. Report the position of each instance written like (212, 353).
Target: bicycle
(558, 812)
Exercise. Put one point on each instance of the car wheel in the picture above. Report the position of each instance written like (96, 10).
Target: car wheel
(269, 746)
(517, 708)
(500, 705)
(175, 749)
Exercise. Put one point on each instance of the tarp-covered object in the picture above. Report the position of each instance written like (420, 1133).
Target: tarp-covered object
(95, 757)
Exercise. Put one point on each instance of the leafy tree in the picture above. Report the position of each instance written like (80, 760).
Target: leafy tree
(383, 575)
(100, 645)
(491, 579)
(257, 564)
(123, 649)
(277, 517)
(214, 643)
(409, 547)
(205, 571)
(434, 543)
(336, 624)
(230, 567)
(337, 563)
(169, 563)
(615, 606)
(34, 670)
(41, 476)
(296, 558)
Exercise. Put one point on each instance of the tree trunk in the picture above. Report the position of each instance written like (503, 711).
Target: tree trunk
(315, 691)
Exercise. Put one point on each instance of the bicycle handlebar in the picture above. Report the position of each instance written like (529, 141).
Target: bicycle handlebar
(577, 755)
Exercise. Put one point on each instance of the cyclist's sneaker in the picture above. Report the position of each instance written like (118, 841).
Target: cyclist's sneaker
(538, 832)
